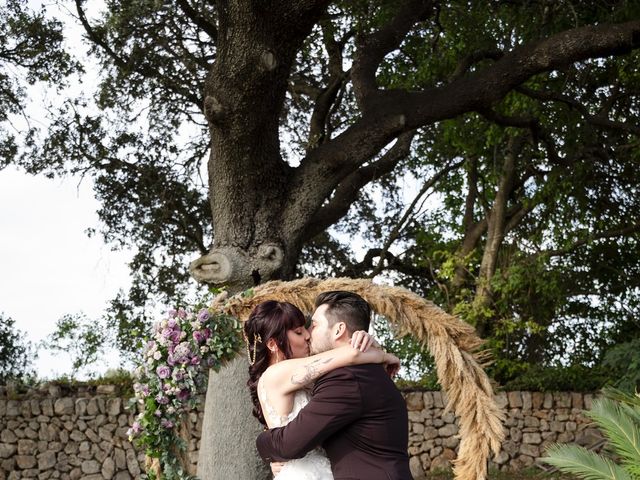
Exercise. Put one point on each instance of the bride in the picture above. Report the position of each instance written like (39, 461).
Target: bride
(280, 369)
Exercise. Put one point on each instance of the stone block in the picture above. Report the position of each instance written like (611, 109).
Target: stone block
(108, 468)
(501, 399)
(27, 447)
(106, 389)
(527, 401)
(90, 466)
(132, 463)
(448, 430)
(46, 460)
(46, 406)
(114, 406)
(26, 461)
(35, 407)
(515, 399)
(7, 436)
(417, 470)
(531, 438)
(530, 450)
(13, 408)
(7, 450)
(537, 399)
(64, 406)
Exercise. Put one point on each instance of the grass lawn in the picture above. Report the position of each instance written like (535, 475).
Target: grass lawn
(528, 474)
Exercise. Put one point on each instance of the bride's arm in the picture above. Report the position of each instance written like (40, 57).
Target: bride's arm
(293, 374)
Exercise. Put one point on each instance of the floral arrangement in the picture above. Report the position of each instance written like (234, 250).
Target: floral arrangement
(177, 357)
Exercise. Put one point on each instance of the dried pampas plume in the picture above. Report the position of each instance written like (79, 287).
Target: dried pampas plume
(453, 343)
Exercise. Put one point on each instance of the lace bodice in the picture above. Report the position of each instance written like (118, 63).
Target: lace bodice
(300, 399)
(315, 464)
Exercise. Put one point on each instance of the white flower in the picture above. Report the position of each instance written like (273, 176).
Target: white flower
(157, 355)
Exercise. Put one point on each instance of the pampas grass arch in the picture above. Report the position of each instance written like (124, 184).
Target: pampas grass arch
(452, 342)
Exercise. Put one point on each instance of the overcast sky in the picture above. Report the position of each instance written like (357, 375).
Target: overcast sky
(49, 266)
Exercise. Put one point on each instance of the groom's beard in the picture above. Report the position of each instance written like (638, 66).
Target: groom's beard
(319, 345)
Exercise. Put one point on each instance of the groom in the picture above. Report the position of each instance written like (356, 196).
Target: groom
(356, 413)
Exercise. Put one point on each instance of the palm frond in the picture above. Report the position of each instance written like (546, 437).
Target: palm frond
(621, 396)
(588, 465)
(622, 430)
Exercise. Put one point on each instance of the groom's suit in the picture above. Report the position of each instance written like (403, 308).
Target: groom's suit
(360, 418)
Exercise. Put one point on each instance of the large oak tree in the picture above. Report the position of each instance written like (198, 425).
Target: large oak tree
(298, 106)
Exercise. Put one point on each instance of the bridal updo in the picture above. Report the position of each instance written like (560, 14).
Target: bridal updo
(268, 320)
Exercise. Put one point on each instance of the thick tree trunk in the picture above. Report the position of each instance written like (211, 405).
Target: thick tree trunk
(497, 222)
(250, 193)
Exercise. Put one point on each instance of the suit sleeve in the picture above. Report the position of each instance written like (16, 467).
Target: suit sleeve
(336, 402)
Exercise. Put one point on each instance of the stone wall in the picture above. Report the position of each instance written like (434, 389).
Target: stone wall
(81, 434)
(533, 420)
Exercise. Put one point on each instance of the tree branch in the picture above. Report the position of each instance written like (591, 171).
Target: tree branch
(472, 58)
(617, 232)
(598, 120)
(372, 48)
(404, 220)
(348, 190)
(204, 24)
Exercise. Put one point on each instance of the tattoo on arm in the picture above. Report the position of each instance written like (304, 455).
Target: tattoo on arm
(312, 371)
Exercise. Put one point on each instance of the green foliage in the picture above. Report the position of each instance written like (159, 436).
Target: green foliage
(173, 372)
(625, 361)
(79, 337)
(31, 51)
(417, 363)
(16, 354)
(619, 420)
(574, 378)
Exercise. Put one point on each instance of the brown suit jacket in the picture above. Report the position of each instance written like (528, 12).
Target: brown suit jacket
(358, 416)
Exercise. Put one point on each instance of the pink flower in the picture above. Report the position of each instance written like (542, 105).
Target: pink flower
(172, 323)
(198, 336)
(166, 423)
(136, 427)
(163, 371)
(203, 315)
(195, 360)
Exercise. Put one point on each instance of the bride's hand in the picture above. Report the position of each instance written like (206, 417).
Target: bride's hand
(361, 340)
(276, 467)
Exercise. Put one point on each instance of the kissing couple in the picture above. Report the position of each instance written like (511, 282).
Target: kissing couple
(335, 414)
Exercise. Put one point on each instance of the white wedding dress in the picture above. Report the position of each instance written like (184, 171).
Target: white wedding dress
(314, 465)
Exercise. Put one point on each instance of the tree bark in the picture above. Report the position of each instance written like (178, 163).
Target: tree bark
(496, 229)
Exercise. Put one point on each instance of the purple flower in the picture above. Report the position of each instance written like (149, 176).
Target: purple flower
(182, 313)
(136, 427)
(172, 313)
(163, 371)
(195, 360)
(183, 395)
(171, 361)
(203, 315)
(199, 336)
(175, 336)
(166, 423)
(207, 332)
(162, 400)
(172, 323)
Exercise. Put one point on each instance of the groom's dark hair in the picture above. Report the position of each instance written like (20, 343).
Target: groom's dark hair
(347, 307)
